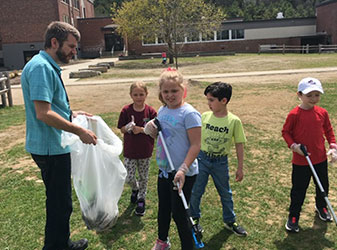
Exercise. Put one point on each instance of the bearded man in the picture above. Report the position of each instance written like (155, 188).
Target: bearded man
(47, 114)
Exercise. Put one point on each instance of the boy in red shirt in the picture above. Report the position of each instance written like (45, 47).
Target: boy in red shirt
(309, 125)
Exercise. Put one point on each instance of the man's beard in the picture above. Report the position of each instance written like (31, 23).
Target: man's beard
(62, 56)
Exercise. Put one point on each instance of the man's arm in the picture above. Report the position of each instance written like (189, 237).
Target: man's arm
(45, 114)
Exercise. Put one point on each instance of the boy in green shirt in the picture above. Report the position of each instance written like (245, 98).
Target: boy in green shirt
(219, 129)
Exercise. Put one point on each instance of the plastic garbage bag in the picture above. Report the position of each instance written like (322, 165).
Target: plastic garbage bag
(98, 174)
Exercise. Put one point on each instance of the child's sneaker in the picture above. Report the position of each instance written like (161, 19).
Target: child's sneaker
(323, 214)
(134, 196)
(292, 225)
(161, 245)
(140, 209)
(236, 228)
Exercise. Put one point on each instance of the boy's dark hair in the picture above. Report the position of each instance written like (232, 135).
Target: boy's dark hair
(60, 30)
(219, 90)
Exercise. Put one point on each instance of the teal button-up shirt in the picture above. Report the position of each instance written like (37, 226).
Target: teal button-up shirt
(40, 81)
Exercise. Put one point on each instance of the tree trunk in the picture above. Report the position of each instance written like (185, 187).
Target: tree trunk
(171, 58)
(170, 52)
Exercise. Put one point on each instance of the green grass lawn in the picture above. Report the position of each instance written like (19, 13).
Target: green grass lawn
(260, 200)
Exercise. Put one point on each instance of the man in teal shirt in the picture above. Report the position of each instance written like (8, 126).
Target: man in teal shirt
(47, 114)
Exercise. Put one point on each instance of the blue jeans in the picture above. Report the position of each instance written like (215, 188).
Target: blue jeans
(218, 169)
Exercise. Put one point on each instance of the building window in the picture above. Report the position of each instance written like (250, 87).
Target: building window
(65, 1)
(200, 37)
(208, 36)
(222, 35)
(160, 40)
(193, 37)
(66, 19)
(150, 40)
(76, 4)
(238, 34)
(180, 39)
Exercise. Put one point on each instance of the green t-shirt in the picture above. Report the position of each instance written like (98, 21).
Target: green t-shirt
(217, 134)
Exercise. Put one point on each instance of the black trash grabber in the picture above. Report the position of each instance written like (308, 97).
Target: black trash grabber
(304, 150)
(196, 232)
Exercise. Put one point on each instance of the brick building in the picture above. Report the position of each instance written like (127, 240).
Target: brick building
(23, 23)
(327, 19)
(240, 36)
(246, 36)
(98, 37)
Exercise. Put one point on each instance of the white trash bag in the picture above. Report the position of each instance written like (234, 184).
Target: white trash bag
(98, 173)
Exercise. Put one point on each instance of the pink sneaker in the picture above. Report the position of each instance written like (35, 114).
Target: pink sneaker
(162, 245)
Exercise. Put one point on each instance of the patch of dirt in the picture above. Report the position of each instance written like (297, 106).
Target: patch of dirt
(12, 136)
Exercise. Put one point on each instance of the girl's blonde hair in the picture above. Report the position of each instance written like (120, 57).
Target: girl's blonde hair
(140, 85)
(171, 75)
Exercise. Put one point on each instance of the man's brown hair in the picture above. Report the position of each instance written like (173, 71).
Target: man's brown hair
(60, 30)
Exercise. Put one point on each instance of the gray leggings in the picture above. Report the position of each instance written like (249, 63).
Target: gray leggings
(142, 165)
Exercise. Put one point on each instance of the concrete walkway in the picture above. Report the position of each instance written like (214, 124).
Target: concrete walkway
(204, 76)
(66, 69)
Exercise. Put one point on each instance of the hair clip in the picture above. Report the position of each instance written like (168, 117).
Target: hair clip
(170, 69)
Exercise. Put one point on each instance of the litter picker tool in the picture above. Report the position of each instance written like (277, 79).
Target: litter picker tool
(196, 232)
(304, 150)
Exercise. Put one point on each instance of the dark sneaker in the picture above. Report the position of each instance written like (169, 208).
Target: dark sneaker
(140, 209)
(134, 196)
(77, 245)
(292, 225)
(324, 214)
(236, 228)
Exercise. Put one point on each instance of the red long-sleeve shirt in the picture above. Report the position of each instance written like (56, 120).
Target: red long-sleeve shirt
(308, 127)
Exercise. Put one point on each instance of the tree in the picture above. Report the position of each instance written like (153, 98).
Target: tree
(168, 20)
(106, 7)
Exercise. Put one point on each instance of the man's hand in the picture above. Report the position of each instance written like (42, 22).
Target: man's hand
(76, 113)
(87, 136)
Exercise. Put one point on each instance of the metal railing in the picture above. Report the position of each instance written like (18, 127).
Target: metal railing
(304, 49)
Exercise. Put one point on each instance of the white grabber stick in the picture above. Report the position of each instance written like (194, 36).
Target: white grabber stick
(304, 150)
(196, 233)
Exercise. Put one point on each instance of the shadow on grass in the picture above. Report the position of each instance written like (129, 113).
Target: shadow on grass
(216, 242)
(127, 223)
(311, 238)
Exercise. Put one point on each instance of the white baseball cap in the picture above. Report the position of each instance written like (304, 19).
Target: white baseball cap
(309, 84)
